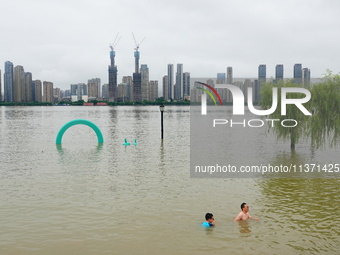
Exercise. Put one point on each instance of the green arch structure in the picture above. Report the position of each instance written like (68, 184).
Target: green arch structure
(79, 122)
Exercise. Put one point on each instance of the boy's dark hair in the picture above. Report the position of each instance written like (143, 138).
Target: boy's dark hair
(242, 205)
(208, 216)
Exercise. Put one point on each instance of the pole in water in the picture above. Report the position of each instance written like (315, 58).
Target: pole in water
(135, 142)
(125, 142)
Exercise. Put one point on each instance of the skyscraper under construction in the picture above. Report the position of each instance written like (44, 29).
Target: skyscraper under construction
(137, 80)
(112, 76)
(137, 76)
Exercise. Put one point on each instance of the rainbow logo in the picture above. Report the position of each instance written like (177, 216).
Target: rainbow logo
(209, 93)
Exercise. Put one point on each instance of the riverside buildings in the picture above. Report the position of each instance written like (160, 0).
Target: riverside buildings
(112, 76)
(47, 92)
(278, 72)
(20, 88)
(144, 70)
(37, 85)
(170, 82)
(79, 92)
(255, 83)
(298, 73)
(137, 79)
(176, 88)
(19, 80)
(93, 86)
(306, 77)
(18, 85)
(8, 81)
(165, 87)
(186, 85)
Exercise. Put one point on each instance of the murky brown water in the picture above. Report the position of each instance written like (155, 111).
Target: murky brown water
(115, 199)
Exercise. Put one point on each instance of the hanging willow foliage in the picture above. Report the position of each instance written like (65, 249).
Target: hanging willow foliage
(294, 134)
(323, 127)
(325, 102)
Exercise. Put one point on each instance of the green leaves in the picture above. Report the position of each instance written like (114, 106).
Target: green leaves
(323, 127)
(325, 101)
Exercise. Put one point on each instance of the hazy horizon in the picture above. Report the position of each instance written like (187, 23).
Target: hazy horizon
(67, 43)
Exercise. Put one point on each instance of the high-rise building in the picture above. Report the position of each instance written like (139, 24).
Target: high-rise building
(47, 92)
(56, 95)
(262, 78)
(137, 79)
(105, 91)
(128, 81)
(93, 86)
(220, 78)
(186, 85)
(37, 91)
(27, 90)
(144, 70)
(179, 90)
(226, 93)
(74, 92)
(298, 73)
(19, 83)
(278, 72)
(0, 87)
(256, 91)
(170, 81)
(165, 87)
(123, 92)
(247, 84)
(262, 74)
(8, 82)
(212, 84)
(229, 75)
(79, 92)
(153, 91)
(137, 87)
(62, 94)
(67, 93)
(112, 76)
(33, 91)
(306, 77)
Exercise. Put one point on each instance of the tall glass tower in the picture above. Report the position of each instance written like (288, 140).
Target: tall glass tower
(8, 81)
(261, 80)
(171, 81)
(179, 82)
(279, 72)
(298, 73)
(186, 84)
(137, 79)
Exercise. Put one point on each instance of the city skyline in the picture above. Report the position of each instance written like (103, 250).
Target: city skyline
(272, 75)
(25, 89)
(73, 47)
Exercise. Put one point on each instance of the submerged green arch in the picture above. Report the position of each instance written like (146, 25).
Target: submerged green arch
(79, 122)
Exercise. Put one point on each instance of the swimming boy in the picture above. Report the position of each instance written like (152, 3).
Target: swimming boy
(244, 215)
(209, 220)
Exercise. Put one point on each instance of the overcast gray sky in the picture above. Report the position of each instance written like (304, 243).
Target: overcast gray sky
(67, 41)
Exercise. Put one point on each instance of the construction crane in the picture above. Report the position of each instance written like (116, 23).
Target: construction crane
(113, 45)
(137, 44)
(136, 54)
